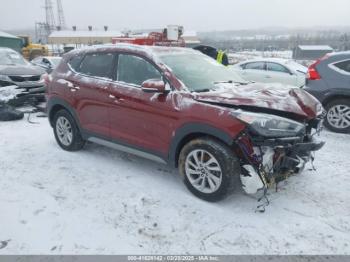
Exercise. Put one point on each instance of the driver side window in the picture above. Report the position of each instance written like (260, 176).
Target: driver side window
(135, 70)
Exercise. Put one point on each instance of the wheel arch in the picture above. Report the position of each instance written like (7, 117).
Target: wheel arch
(189, 132)
(56, 104)
(333, 97)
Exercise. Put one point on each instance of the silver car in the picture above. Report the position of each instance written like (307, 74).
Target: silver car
(272, 70)
(48, 63)
(15, 70)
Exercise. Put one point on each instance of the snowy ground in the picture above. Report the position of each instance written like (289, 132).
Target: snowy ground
(106, 202)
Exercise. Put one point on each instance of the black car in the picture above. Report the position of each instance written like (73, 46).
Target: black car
(16, 71)
(329, 81)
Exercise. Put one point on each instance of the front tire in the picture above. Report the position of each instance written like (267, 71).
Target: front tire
(209, 168)
(338, 116)
(66, 132)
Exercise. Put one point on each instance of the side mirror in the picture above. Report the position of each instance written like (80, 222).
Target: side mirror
(153, 86)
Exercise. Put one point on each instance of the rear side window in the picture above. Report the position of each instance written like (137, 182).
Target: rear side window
(344, 65)
(274, 67)
(99, 65)
(75, 62)
(135, 70)
(255, 66)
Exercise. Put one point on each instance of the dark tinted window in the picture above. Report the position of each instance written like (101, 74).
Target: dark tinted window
(100, 65)
(75, 62)
(255, 66)
(277, 68)
(135, 70)
(344, 65)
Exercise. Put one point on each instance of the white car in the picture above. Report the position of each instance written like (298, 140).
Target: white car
(272, 70)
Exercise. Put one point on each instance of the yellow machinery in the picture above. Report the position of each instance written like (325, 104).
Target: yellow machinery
(30, 50)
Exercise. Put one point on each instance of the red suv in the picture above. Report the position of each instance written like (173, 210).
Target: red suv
(178, 106)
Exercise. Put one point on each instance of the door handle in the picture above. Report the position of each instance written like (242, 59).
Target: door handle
(116, 99)
(74, 88)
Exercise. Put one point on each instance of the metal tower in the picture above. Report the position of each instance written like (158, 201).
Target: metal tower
(60, 15)
(50, 18)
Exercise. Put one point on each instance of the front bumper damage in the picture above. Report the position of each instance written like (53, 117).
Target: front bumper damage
(26, 94)
(265, 162)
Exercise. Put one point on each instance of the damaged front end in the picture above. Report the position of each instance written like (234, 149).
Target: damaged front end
(273, 148)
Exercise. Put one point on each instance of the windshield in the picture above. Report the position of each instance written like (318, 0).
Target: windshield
(199, 72)
(11, 58)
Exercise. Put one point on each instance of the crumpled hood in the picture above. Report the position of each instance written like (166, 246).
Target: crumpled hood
(20, 70)
(277, 97)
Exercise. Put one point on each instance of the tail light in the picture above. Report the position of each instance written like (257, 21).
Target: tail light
(312, 73)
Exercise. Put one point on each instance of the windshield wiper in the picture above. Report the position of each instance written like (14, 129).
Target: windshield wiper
(231, 82)
(223, 82)
(202, 90)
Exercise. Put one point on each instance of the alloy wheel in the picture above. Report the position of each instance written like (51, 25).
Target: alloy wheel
(203, 171)
(64, 131)
(338, 116)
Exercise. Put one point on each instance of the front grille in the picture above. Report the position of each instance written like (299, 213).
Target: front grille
(25, 78)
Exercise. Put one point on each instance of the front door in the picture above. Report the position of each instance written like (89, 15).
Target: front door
(138, 118)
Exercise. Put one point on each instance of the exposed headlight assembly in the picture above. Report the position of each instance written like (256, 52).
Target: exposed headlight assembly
(269, 125)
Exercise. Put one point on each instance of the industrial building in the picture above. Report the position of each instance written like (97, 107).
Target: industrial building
(82, 37)
(311, 52)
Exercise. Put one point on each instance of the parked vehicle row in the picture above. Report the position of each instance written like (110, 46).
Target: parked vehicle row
(180, 107)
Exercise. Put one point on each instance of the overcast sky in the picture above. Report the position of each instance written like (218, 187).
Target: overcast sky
(201, 15)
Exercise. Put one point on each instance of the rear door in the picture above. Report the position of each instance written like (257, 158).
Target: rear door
(254, 71)
(137, 118)
(89, 90)
(277, 73)
(341, 76)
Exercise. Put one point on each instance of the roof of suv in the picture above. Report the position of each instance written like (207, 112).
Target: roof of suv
(149, 50)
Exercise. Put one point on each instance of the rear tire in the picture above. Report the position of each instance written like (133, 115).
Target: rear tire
(209, 168)
(338, 116)
(66, 131)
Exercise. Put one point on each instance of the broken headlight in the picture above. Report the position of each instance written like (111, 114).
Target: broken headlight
(269, 125)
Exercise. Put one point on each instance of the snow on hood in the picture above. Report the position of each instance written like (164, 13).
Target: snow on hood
(277, 97)
(20, 70)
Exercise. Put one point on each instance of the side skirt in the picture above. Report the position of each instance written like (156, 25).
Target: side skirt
(127, 149)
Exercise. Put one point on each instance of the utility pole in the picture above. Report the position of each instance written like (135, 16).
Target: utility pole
(60, 15)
